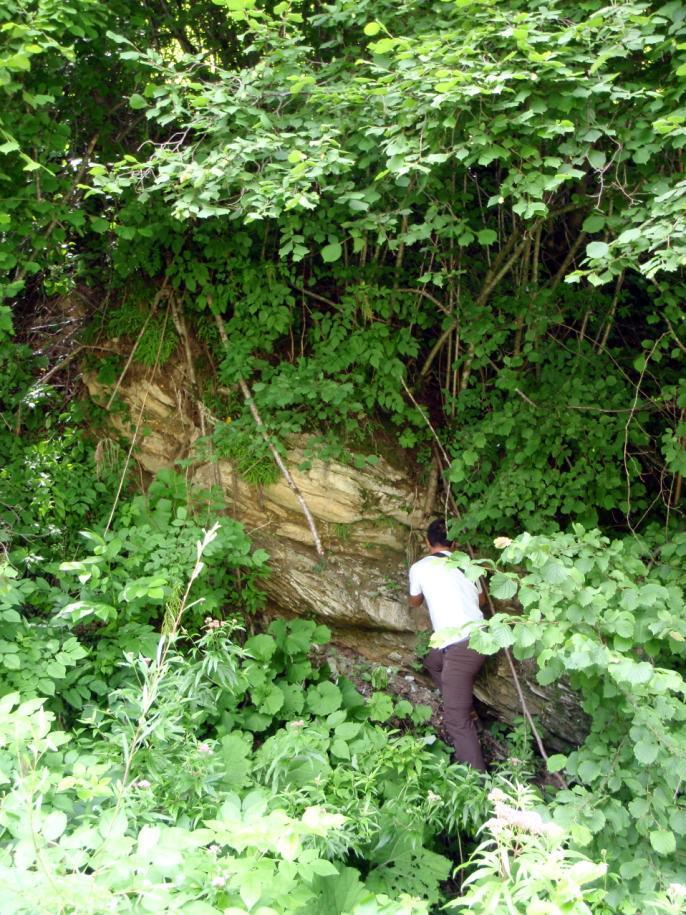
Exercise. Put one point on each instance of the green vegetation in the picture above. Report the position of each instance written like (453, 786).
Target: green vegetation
(455, 227)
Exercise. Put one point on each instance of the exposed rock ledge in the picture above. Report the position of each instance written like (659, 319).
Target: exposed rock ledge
(371, 522)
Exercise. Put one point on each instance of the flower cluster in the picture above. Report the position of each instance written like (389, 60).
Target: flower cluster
(211, 623)
(509, 818)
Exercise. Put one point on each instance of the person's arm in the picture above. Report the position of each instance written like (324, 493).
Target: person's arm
(415, 597)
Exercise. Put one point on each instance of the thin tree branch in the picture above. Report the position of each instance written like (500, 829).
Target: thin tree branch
(317, 297)
(429, 296)
(571, 254)
(60, 365)
(293, 486)
(152, 311)
(492, 279)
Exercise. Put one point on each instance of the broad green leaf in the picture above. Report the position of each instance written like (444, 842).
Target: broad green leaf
(324, 698)
(487, 237)
(646, 751)
(261, 647)
(597, 158)
(380, 707)
(331, 252)
(663, 841)
(593, 223)
(503, 586)
(556, 763)
(597, 249)
(54, 825)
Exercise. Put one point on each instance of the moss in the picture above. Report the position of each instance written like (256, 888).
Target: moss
(341, 532)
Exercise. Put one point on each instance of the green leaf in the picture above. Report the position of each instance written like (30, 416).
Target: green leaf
(597, 158)
(256, 721)
(350, 729)
(384, 45)
(593, 223)
(54, 825)
(663, 841)
(324, 698)
(323, 868)
(403, 709)
(340, 749)
(372, 29)
(271, 701)
(554, 572)
(646, 751)
(261, 647)
(581, 835)
(677, 820)
(639, 807)
(235, 752)
(557, 762)
(10, 146)
(589, 770)
(380, 707)
(637, 673)
(113, 824)
(503, 585)
(331, 252)
(137, 102)
(17, 62)
(487, 236)
(597, 249)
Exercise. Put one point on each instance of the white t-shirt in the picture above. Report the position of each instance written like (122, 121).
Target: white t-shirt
(452, 599)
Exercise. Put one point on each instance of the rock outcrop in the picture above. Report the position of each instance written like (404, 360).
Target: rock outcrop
(371, 522)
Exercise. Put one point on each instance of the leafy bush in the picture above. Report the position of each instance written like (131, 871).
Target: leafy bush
(610, 616)
(523, 864)
(162, 800)
(49, 483)
(539, 453)
(67, 640)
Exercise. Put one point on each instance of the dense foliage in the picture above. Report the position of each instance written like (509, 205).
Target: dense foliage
(455, 226)
(223, 772)
(374, 195)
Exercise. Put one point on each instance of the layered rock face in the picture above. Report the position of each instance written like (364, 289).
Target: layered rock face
(371, 523)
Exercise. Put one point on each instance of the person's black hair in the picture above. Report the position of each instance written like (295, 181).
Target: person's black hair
(436, 533)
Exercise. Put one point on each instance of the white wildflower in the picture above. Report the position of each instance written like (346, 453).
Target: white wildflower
(501, 542)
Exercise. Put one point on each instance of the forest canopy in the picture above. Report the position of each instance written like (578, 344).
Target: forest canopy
(454, 230)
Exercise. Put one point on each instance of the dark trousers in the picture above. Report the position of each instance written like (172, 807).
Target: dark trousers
(453, 670)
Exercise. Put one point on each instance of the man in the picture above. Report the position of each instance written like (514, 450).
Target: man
(453, 603)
